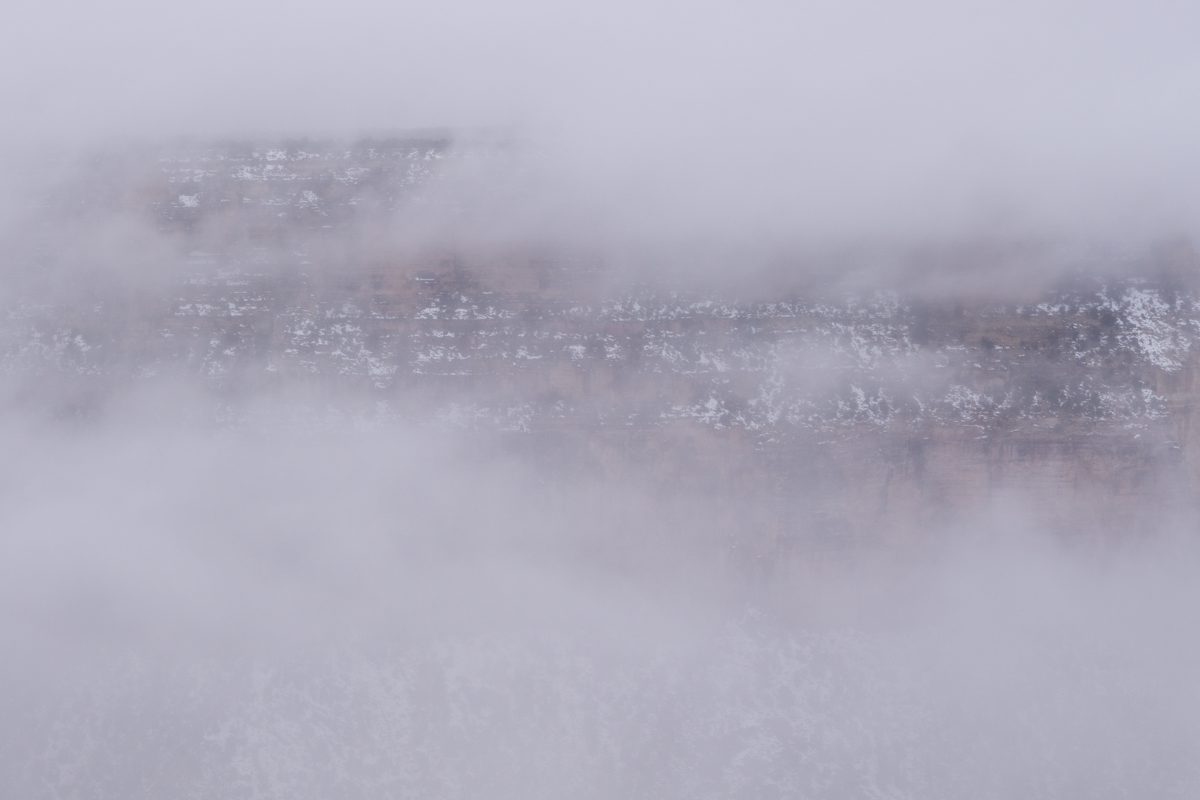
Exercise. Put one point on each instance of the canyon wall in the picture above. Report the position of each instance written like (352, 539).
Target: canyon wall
(848, 417)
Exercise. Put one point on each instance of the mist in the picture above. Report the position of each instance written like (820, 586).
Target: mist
(599, 400)
(774, 121)
(354, 613)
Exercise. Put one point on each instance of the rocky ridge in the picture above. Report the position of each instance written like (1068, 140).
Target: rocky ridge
(775, 395)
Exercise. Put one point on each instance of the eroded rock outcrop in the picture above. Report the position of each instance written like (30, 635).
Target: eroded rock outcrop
(846, 414)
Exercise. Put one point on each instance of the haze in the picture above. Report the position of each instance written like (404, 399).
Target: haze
(610, 400)
(789, 120)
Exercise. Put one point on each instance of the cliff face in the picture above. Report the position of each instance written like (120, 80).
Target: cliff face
(842, 416)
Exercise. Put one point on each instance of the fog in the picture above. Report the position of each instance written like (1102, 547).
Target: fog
(826, 121)
(616, 400)
(362, 613)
